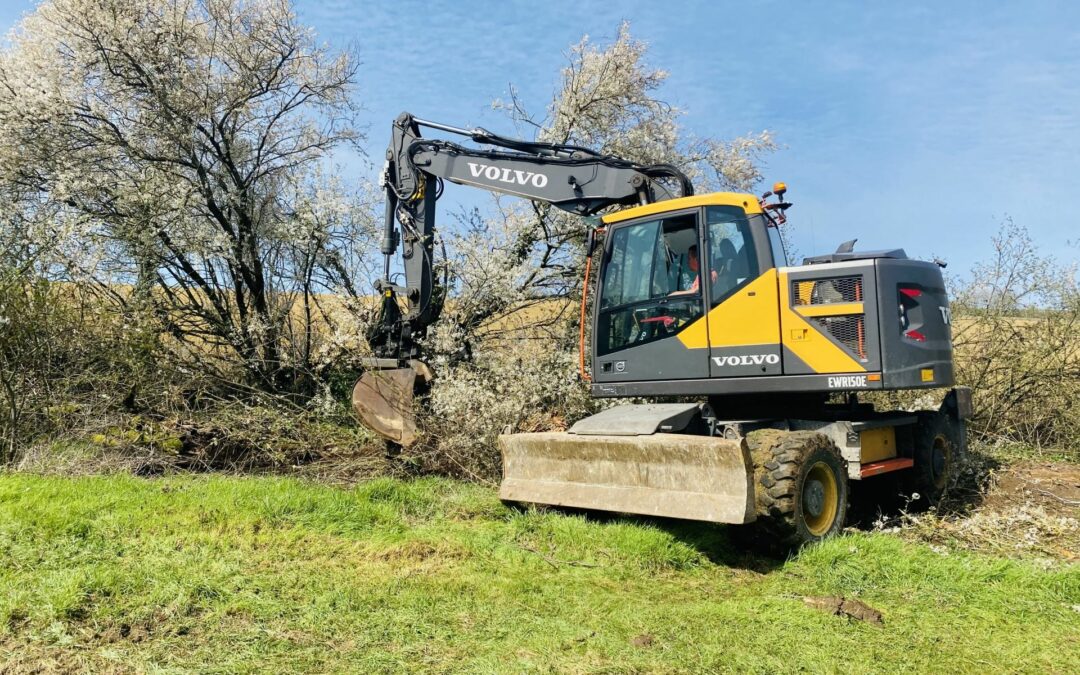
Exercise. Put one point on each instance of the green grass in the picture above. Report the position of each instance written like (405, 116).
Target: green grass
(243, 574)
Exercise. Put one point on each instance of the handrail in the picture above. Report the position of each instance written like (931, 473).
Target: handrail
(581, 329)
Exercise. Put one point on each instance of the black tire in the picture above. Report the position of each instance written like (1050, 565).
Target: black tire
(938, 452)
(801, 487)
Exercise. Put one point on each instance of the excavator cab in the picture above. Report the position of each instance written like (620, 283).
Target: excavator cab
(664, 274)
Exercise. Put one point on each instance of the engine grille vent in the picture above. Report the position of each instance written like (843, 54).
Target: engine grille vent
(831, 291)
(848, 330)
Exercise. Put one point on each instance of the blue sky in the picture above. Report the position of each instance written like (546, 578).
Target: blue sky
(913, 124)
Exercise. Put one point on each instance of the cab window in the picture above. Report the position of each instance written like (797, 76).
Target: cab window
(732, 259)
(776, 241)
(650, 288)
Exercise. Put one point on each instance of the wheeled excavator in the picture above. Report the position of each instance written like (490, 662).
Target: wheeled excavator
(757, 367)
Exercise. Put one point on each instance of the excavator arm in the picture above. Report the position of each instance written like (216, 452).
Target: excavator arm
(569, 177)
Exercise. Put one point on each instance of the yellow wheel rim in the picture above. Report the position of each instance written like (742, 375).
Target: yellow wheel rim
(820, 495)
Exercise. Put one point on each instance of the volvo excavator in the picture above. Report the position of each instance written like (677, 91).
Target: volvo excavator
(757, 368)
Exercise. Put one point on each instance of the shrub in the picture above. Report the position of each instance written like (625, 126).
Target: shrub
(1016, 333)
(533, 386)
(66, 361)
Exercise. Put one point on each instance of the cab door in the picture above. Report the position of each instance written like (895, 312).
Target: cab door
(649, 303)
(743, 295)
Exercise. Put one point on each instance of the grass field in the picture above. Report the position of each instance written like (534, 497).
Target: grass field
(239, 574)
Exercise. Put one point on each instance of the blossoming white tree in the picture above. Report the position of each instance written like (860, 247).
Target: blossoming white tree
(174, 144)
(608, 101)
(514, 273)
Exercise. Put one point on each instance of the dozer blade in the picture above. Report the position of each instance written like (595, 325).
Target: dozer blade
(673, 475)
(384, 401)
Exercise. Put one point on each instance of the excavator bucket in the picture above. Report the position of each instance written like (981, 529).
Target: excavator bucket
(384, 401)
(663, 474)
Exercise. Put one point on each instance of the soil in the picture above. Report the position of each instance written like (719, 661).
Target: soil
(851, 609)
(1052, 486)
(1024, 509)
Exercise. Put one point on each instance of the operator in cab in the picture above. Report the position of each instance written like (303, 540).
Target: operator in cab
(695, 266)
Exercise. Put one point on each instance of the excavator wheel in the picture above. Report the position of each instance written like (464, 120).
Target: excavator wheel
(939, 449)
(801, 486)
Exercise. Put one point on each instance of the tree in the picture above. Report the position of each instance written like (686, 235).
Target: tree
(532, 253)
(516, 275)
(171, 145)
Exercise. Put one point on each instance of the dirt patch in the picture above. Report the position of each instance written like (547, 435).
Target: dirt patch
(1029, 509)
(123, 633)
(851, 609)
(1052, 486)
(643, 640)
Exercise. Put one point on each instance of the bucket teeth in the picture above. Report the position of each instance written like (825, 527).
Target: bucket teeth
(672, 475)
